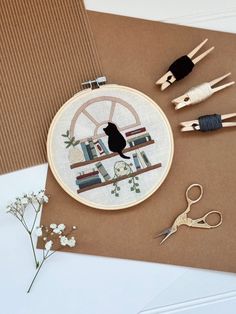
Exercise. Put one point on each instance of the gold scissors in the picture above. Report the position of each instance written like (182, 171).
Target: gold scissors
(183, 218)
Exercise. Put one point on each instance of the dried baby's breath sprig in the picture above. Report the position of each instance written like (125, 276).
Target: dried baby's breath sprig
(54, 236)
(55, 239)
(18, 208)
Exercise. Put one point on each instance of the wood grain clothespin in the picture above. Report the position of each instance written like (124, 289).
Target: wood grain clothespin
(182, 66)
(200, 92)
(208, 123)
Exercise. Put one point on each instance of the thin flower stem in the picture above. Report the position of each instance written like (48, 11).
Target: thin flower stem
(33, 249)
(52, 253)
(34, 207)
(35, 218)
(30, 235)
(45, 257)
(36, 274)
(23, 221)
(23, 224)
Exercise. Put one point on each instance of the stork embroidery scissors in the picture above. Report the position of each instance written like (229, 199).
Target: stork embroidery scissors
(183, 218)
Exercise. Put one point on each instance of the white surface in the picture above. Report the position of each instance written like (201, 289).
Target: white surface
(72, 283)
(212, 14)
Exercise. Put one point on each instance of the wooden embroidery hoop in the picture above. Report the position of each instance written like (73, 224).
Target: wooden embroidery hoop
(81, 94)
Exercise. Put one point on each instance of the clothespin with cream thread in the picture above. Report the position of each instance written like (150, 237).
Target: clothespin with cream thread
(201, 92)
(182, 66)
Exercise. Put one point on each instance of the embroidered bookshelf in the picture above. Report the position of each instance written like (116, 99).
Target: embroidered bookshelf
(84, 110)
(80, 167)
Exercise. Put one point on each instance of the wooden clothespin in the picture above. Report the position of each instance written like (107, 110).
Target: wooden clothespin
(182, 67)
(208, 123)
(199, 93)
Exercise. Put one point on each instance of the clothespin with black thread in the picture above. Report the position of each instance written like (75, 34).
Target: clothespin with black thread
(182, 66)
(208, 123)
(200, 92)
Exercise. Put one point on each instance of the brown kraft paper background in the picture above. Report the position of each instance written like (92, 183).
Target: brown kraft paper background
(47, 50)
(136, 53)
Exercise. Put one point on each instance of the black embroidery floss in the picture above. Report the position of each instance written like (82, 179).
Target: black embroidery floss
(210, 122)
(181, 67)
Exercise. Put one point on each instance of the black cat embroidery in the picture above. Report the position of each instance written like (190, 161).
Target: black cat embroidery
(116, 141)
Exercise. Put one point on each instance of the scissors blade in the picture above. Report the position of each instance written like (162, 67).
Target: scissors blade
(167, 236)
(163, 233)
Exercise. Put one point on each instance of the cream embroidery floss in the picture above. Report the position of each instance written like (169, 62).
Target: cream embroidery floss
(200, 92)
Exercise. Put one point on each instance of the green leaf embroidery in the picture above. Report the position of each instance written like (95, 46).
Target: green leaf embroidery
(70, 141)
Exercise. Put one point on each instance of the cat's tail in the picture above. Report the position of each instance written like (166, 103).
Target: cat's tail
(123, 156)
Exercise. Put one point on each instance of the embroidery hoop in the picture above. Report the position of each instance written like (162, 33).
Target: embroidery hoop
(92, 92)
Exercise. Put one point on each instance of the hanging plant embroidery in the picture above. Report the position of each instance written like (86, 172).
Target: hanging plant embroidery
(122, 168)
(71, 141)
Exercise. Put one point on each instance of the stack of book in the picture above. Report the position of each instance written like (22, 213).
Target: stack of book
(138, 136)
(141, 160)
(103, 171)
(93, 149)
(87, 178)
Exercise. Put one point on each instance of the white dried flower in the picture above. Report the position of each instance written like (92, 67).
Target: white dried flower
(40, 194)
(32, 197)
(57, 231)
(61, 227)
(74, 227)
(45, 238)
(71, 242)
(39, 232)
(64, 241)
(24, 200)
(48, 245)
(53, 226)
(45, 199)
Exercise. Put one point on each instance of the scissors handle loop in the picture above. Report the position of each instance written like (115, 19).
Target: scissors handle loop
(191, 200)
(202, 223)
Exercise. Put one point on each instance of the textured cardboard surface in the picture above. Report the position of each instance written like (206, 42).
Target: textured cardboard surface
(47, 50)
(136, 53)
